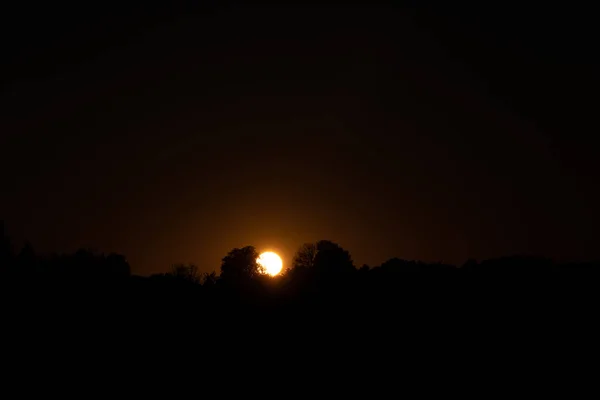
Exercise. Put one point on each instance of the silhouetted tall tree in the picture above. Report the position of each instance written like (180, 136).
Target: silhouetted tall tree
(332, 259)
(305, 256)
(322, 261)
(240, 264)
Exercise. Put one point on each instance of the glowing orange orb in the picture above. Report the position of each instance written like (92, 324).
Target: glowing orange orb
(270, 262)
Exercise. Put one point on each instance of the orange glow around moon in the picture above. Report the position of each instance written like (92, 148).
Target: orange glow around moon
(270, 262)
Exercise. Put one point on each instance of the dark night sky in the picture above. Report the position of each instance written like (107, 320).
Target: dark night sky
(174, 136)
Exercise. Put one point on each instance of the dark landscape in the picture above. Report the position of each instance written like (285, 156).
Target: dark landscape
(340, 194)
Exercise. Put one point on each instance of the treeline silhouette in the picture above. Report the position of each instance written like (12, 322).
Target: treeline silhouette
(321, 307)
(321, 273)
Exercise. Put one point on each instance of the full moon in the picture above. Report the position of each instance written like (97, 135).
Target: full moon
(271, 263)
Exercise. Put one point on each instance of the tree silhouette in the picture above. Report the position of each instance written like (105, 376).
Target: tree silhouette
(331, 259)
(324, 257)
(117, 265)
(240, 264)
(322, 281)
(305, 256)
(320, 263)
(209, 280)
(186, 273)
